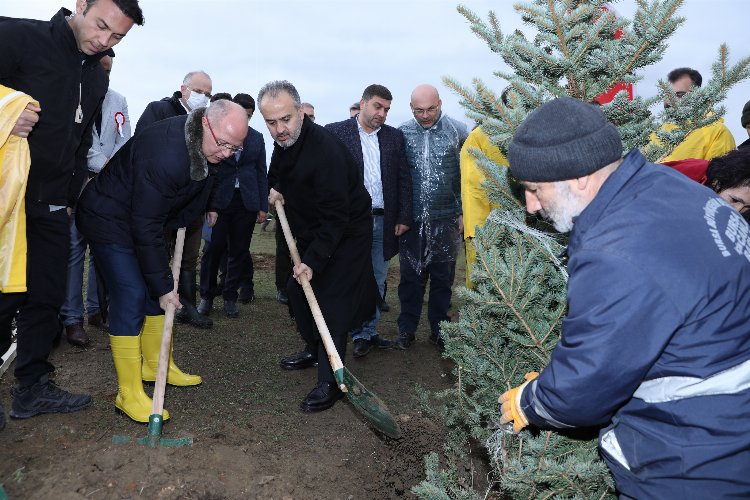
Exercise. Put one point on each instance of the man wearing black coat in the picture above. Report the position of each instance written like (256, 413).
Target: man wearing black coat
(239, 201)
(378, 150)
(194, 93)
(328, 209)
(55, 62)
(158, 180)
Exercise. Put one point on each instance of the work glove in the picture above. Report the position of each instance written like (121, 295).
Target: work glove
(510, 402)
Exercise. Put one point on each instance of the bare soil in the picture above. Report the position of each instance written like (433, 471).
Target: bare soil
(250, 439)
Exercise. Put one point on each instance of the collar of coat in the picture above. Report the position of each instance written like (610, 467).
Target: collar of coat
(194, 141)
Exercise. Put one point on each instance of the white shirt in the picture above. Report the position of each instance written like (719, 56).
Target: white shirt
(371, 157)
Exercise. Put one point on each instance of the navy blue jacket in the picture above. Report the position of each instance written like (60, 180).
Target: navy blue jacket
(394, 174)
(656, 342)
(145, 188)
(251, 171)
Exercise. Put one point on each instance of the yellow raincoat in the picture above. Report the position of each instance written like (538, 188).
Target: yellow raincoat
(476, 206)
(705, 143)
(15, 161)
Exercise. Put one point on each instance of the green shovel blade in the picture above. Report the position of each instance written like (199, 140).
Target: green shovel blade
(368, 404)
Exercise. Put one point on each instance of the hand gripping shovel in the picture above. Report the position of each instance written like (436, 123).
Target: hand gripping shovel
(365, 401)
(155, 421)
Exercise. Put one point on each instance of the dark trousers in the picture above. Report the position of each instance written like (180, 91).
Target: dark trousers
(232, 235)
(413, 284)
(48, 244)
(283, 259)
(129, 298)
(310, 334)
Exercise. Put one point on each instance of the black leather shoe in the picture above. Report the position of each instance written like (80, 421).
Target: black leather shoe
(230, 309)
(281, 297)
(361, 348)
(322, 397)
(76, 335)
(437, 339)
(189, 314)
(404, 340)
(98, 321)
(299, 361)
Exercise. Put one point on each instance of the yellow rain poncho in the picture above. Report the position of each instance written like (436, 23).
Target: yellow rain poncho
(15, 161)
(476, 205)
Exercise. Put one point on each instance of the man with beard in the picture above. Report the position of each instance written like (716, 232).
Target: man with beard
(379, 152)
(56, 63)
(655, 348)
(329, 213)
(158, 180)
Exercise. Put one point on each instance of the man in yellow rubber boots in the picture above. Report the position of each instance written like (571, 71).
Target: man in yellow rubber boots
(655, 347)
(158, 180)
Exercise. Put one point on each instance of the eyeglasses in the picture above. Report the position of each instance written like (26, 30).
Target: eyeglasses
(421, 111)
(680, 93)
(201, 92)
(222, 144)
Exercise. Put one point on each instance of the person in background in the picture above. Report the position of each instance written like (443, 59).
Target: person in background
(354, 109)
(111, 130)
(745, 120)
(309, 110)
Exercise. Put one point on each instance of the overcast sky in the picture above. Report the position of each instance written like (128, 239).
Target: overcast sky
(332, 49)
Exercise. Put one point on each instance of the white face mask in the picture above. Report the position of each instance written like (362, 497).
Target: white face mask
(196, 100)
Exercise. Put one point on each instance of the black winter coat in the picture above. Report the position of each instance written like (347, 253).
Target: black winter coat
(329, 209)
(159, 110)
(251, 171)
(394, 175)
(145, 188)
(41, 59)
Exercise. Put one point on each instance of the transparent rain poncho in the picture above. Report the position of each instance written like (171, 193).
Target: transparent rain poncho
(434, 163)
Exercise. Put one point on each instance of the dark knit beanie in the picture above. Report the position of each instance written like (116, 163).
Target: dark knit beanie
(563, 139)
(746, 114)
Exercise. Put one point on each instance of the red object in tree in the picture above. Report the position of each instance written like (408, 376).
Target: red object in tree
(628, 87)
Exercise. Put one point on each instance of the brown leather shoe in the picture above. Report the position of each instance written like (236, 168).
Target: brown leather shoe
(97, 321)
(76, 334)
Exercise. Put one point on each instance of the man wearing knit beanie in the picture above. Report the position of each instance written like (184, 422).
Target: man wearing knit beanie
(654, 350)
(745, 120)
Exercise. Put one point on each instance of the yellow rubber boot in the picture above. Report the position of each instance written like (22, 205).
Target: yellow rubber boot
(131, 400)
(153, 326)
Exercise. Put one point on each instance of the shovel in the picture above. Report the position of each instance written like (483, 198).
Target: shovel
(155, 420)
(365, 401)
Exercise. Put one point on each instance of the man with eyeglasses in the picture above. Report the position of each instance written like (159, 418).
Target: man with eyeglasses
(53, 67)
(429, 249)
(706, 142)
(161, 179)
(194, 93)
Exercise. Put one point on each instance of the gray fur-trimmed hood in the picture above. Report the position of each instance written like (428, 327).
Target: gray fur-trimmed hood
(194, 141)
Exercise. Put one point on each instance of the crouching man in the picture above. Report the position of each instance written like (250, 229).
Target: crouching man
(160, 179)
(658, 352)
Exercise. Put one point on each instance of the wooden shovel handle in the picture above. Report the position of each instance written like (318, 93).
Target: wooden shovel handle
(320, 322)
(166, 336)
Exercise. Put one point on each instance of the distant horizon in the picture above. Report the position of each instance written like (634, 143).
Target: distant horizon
(332, 49)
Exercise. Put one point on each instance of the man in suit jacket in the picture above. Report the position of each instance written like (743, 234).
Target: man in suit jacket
(111, 130)
(379, 152)
(238, 202)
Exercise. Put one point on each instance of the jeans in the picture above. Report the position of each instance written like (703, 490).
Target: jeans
(72, 309)
(380, 267)
(414, 276)
(129, 298)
